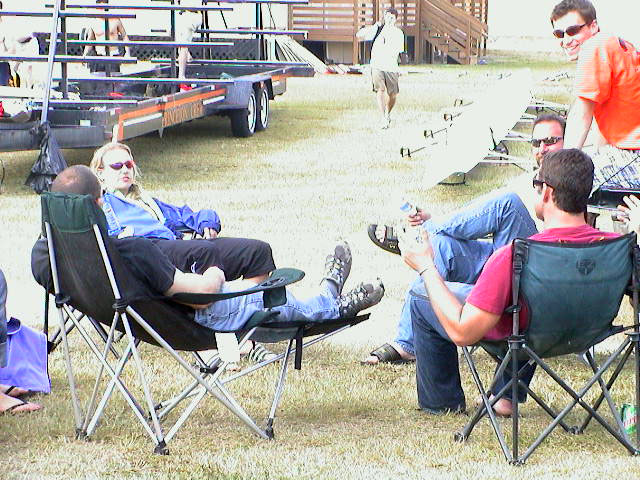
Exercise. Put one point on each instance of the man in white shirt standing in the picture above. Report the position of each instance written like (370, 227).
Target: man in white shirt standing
(388, 43)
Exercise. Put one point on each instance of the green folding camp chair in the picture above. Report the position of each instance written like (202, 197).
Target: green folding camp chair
(90, 278)
(572, 294)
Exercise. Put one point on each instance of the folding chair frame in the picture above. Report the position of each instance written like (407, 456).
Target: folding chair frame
(517, 348)
(207, 376)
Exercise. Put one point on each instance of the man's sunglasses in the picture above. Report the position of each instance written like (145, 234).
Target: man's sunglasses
(547, 141)
(118, 165)
(539, 183)
(570, 31)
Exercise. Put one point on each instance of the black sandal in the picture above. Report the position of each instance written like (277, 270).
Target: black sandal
(387, 354)
(26, 394)
(22, 403)
(390, 242)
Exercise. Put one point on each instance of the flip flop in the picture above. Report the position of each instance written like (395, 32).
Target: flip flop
(32, 407)
(390, 242)
(387, 354)
(16, 392)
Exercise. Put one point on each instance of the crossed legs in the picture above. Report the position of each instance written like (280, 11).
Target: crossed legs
(459, 255)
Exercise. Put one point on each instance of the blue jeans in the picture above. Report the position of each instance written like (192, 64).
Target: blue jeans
(459, 255)
(232, 314)
(437, 372)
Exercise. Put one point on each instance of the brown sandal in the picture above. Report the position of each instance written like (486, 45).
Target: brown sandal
(390, 242)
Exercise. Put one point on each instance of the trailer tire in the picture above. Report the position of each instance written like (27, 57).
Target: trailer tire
(262, 120)
(243, 120)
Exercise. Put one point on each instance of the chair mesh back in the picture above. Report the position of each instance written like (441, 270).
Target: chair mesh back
(83, 275)
(572, 291)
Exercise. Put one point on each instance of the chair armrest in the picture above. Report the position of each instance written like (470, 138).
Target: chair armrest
(273, 288)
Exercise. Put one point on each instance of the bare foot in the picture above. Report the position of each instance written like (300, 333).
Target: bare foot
(15, 405)
(12, 391)
(502, 408)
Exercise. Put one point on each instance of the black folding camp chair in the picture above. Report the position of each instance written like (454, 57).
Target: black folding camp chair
(55, 338)
(572, 293)
(90, 276)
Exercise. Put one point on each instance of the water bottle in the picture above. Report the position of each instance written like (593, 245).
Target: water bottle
(407, 207)
(410, 209)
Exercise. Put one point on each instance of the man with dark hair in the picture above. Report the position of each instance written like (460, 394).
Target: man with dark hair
(459, 252)
(584, 8)
(78, 179)
(150, 266)
(388, 43)
(446, 314)
(607, 89)
(547, 135)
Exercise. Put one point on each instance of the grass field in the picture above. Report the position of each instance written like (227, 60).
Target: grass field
(323, 170)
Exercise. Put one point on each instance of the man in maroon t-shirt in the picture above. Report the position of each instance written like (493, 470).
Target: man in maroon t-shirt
(446, 314)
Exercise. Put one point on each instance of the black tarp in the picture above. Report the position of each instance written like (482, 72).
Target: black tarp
(50, 161)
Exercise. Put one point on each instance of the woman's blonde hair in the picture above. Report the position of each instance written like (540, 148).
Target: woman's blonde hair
(97, 162)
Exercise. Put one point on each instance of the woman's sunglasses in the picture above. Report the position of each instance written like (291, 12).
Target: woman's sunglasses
(571, 31)
(535, 142)
(118, 165)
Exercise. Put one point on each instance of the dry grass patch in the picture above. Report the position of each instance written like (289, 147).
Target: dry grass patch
(322, 170)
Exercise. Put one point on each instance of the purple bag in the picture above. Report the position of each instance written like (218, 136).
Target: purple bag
(26, 358)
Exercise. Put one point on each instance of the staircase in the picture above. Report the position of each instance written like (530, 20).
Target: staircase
(440, 29)
(453, 30)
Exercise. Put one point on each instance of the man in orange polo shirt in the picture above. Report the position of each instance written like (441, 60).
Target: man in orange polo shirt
(607, 88)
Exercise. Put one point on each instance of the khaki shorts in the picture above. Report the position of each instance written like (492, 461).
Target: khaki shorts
(385, 81)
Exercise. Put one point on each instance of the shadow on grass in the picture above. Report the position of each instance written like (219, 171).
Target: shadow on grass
(206, 142)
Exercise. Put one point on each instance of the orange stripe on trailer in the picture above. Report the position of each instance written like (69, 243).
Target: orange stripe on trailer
(161, 107)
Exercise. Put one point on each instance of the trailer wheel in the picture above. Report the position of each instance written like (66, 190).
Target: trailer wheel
(263, 110)
(243, 121)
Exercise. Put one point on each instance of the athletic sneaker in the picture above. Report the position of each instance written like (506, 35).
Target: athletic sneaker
(364, 296)
(386, 121)
(338, 266)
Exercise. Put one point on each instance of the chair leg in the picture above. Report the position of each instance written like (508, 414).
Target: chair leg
(279, 389)
(91, 403)
(612, 379)
(166, 406)
(552, 413)
(56, 338)
(159, 436)
(77, 412)
(185, 414)
(515, 344)
(577, 399)
(214, 366)
(485, 408)
(635, 339)
(115, 381)
(219, 392)
(607, 395)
